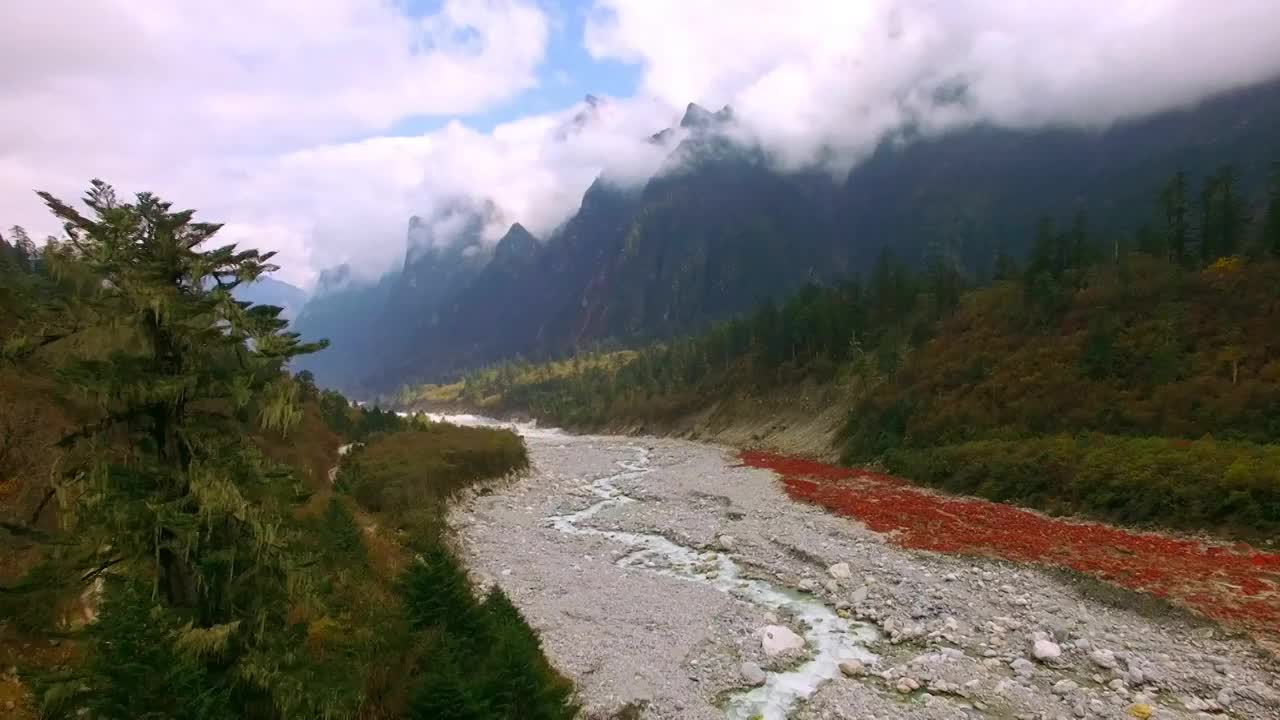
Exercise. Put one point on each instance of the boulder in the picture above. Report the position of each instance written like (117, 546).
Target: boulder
(852, 668)
(752, 674)
(1022, 667)
(840, 571)
(1104, 659)
(1045, 651)
(778, 639)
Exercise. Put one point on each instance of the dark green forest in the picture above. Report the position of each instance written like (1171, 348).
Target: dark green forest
(1021, 381)
(171, 541)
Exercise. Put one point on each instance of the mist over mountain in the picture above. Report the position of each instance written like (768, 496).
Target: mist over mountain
(721, 227)
(269, 291)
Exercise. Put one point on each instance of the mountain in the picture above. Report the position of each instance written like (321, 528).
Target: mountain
(269, 291)
(350, 315)
(720, 228)
(969, 193)
(444, 252)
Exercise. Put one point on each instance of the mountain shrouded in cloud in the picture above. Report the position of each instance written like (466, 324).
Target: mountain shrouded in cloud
(721, 227)
(316, 128)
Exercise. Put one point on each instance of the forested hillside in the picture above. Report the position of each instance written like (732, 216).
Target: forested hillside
(1132, 378)
(173, 540)
(721, 228)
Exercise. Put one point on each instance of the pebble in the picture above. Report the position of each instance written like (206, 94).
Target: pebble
(752, 674)
(1022, 667)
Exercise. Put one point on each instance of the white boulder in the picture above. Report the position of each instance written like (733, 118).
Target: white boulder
(1045, 651)
(778, 639)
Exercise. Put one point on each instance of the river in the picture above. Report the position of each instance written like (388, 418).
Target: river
(651, 567)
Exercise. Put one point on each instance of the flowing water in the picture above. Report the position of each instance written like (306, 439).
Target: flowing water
(829, 638)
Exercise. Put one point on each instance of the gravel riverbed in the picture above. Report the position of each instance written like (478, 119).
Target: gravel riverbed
(685, 587)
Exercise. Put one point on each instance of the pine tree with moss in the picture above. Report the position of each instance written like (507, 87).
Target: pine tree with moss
(170, 493)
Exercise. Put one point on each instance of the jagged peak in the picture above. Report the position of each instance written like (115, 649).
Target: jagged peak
(697, 117)
(517, 245)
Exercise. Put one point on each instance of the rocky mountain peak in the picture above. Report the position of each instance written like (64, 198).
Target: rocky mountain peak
(697, 117)
(516, 247)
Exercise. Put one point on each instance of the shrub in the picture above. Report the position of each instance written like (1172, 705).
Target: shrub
(1232, 487)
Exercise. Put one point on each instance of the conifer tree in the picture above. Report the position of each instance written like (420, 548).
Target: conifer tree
(1231, 214)
(1173, 198)
(1271, 227)
(176, 369)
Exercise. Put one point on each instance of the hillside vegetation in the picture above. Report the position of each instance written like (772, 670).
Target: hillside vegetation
(1133, 378)
(171, 542)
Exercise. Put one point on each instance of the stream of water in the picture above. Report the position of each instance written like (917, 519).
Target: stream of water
(829, 638)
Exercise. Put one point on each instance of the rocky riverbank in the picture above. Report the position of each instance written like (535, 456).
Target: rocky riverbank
(944, 636)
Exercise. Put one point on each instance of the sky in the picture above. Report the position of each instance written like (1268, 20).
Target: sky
(317, 127)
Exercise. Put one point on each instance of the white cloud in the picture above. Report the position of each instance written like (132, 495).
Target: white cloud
(266, 114)
(195, 100)
(813, 78)
(535, 170)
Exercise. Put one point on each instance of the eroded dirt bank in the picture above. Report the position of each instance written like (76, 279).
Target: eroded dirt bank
(637, 599)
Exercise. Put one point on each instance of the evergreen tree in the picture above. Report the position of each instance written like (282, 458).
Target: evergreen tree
(24, 249)
(1006, 268)
(1210, 224)
(524, 686)
(1173, 199)
(1150, 242)
(191, 509)
(1231, 213)
(1271, 226)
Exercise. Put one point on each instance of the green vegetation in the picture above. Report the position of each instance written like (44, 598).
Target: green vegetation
(384, 476)
(1189, 485)
(1095, 347)
(166, 510)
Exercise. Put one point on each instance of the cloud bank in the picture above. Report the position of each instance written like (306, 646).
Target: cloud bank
(275, 116)
(824, 81)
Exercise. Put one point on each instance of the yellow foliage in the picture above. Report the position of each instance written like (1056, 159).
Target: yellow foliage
(1142, 711)
(1225, 266)
(321, 630)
